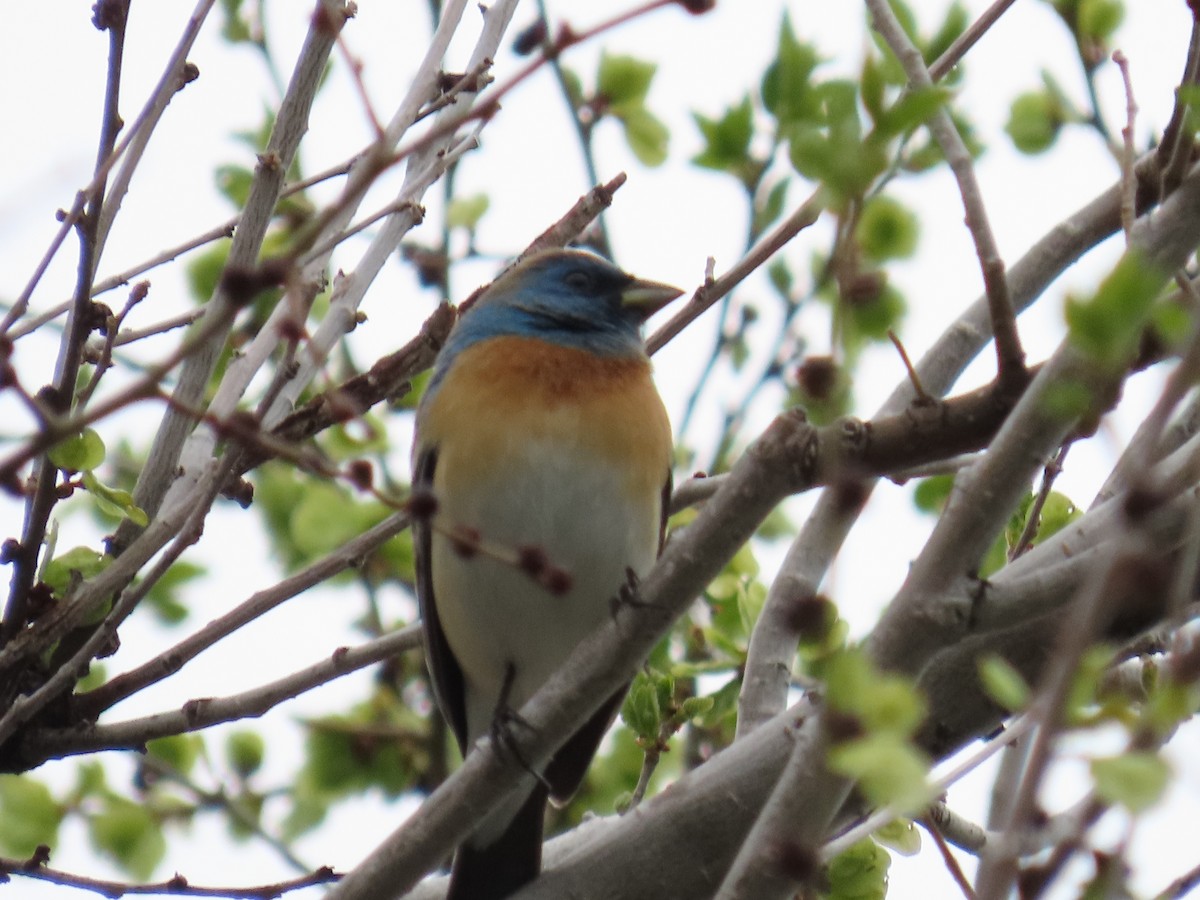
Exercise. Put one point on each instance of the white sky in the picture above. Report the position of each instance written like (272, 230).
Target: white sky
(665, 222)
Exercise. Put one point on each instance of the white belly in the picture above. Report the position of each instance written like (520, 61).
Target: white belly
(496, 616)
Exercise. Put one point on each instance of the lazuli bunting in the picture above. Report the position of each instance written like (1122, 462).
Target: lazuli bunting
(541, 433)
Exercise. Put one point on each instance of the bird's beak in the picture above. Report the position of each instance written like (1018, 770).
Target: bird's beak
(645, 298)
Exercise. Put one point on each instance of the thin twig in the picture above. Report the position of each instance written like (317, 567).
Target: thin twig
(167, 86)
(1128, 179)
(208, 711)
(176, 886)
(1010, 357)
(1033, 517)
(167, 663)
(81, 319)
(964, 42)
(952, 865)
(713, 290)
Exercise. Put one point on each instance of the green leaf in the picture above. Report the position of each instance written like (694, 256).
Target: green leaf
(1135, 780)
(901, 835)
(1057, 513)
(234, 28)
(786, 85)
(887, 230)
(81, 561)
(179, 751)
(883, 703)
(96, 676)
(1034, 121)
(1108, 326)
(127, 833)
(114, 502)
(696, 707)
(465, 212)
(767, 210)
(204, 270)
(956, 22)
(1003, 683)
(624, 80)
(164, 597)
(80, 453)
(859, 873)
(751, 599)
(932, 493)
(29, 815)
(90, 780)
(641, 711)
(245, 751)
(726, 140)
(995, 559)
(888, 769)
(1084, 692)
(233, 182)
(646, 135)
(914, 108)
(1098, 20)
(871, 318)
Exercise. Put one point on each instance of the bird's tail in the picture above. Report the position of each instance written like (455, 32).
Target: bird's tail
(513, 859)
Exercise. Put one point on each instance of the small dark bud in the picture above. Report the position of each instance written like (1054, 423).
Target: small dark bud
(863, 288)
(361, 474)
(465, 542)
(177, 883)
(817, 376)
(532, 560)
(11, 484)
(41, 599)
(39, 858)
(555, 580)
(108, 14)
(698, 7)
(241, 493)
(530, 39)
(139, 292)
(9, 550)
(49, 397)
(100, 317)
(842, 726)
(1183, 665)
(810, 616)
(243, 284)
(850, 493)
(190, 73)
(292, 330)
(422, 504)
(431, 265)
(799, 861)
(1140, 502)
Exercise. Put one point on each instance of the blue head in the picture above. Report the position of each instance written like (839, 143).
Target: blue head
(567, 297)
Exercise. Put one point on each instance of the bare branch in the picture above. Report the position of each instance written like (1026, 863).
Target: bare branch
(176, 886)
(205, 712)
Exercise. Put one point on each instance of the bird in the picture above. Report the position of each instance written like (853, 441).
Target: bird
(545, 450)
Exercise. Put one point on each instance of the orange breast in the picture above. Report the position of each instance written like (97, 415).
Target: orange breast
(508, 394)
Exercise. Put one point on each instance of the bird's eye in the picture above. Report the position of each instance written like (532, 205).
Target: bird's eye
(581, 281)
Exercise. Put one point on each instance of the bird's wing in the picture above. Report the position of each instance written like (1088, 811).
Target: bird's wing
(443, 667)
